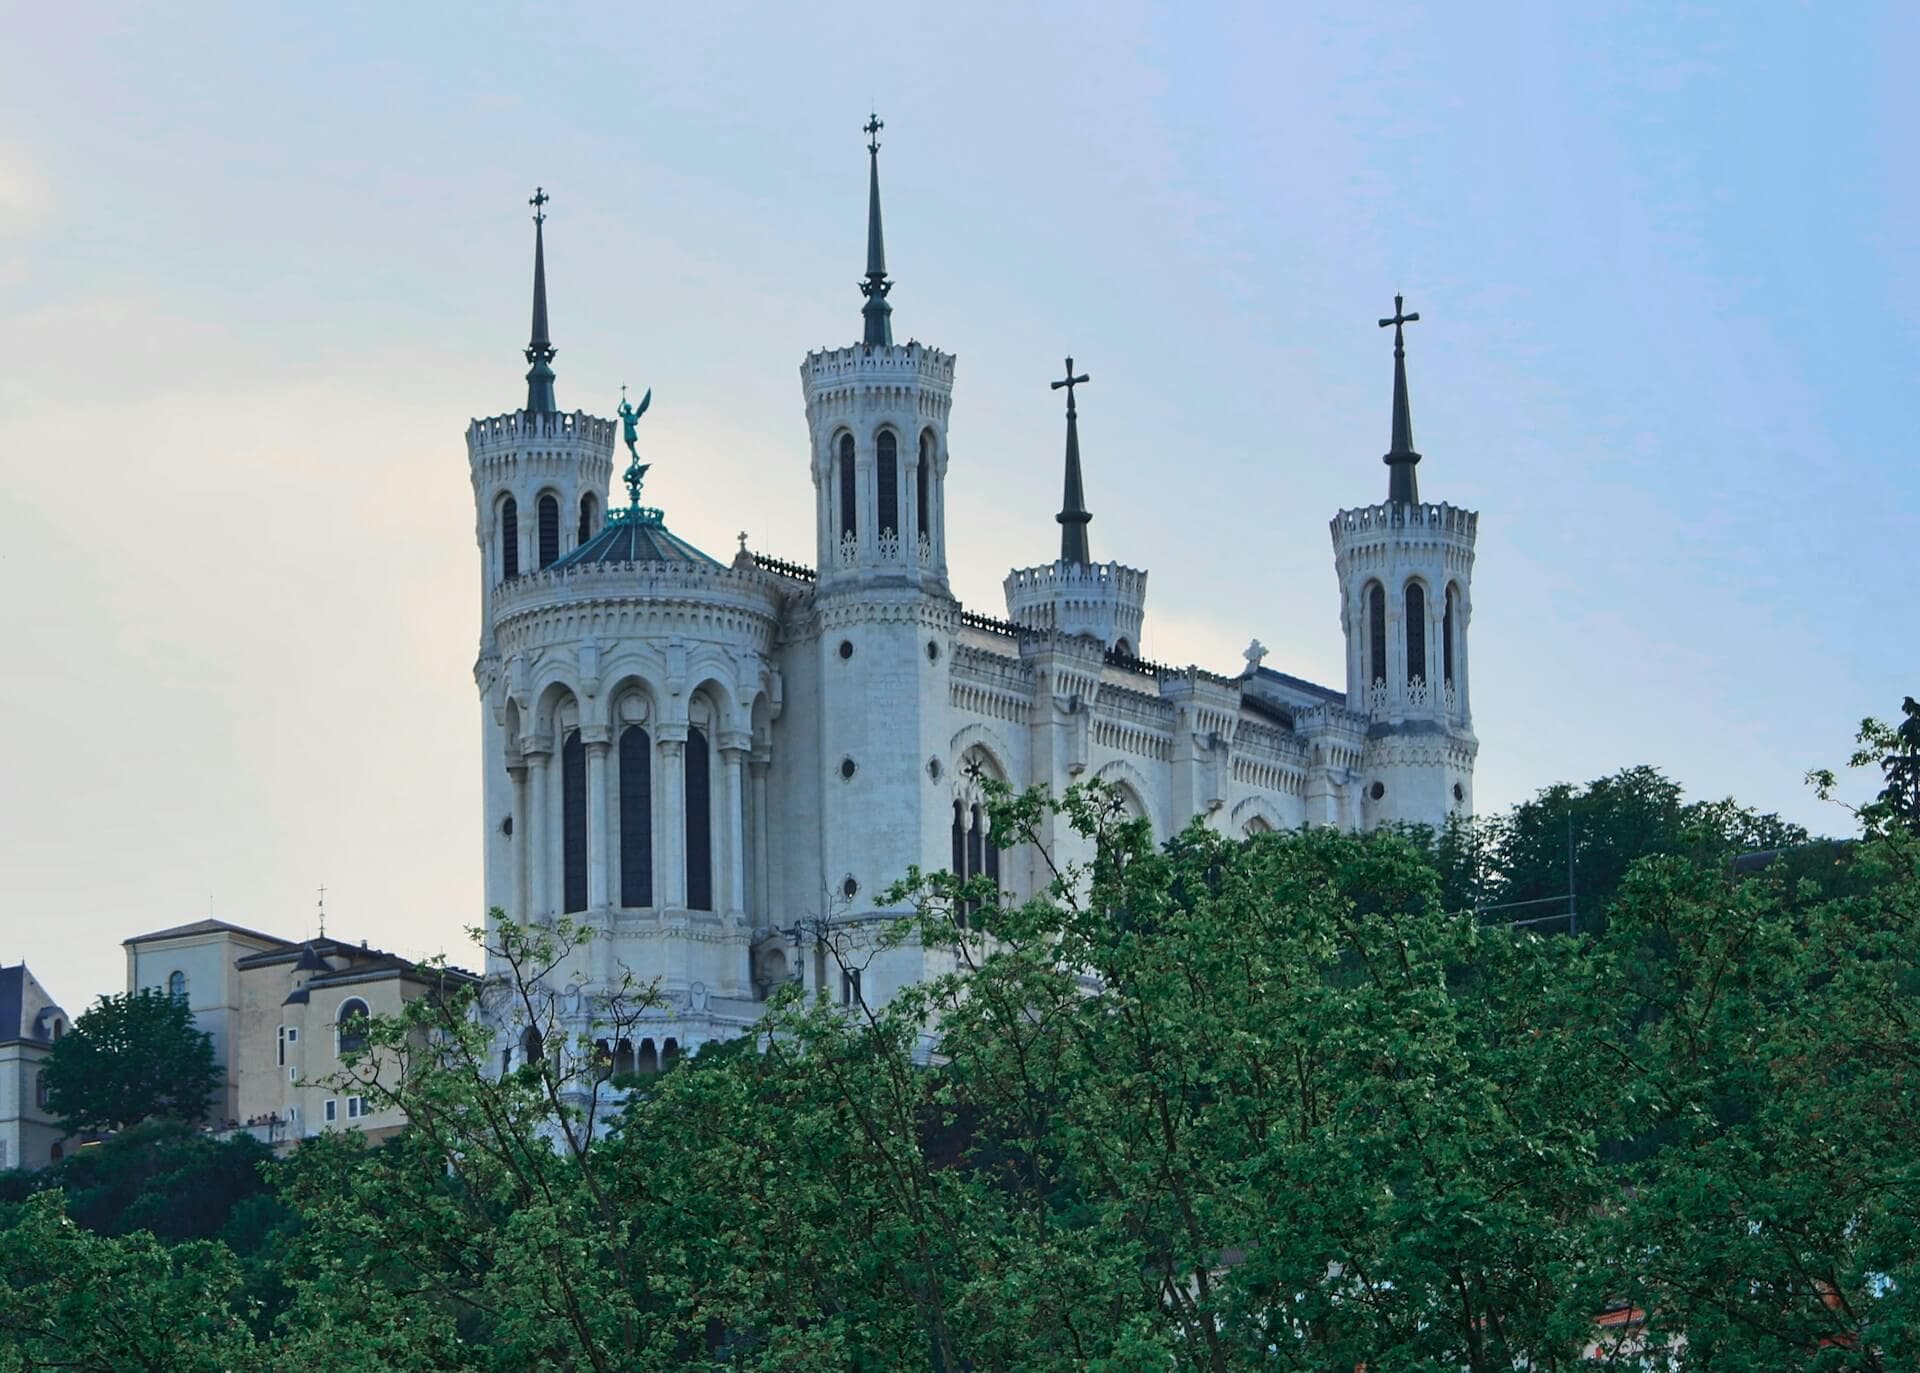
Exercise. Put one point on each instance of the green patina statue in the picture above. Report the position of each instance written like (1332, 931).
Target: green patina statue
(630, 418)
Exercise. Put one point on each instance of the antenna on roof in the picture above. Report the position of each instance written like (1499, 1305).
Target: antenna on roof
(323, 910)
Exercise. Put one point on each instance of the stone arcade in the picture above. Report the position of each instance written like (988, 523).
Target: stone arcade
(715, 763)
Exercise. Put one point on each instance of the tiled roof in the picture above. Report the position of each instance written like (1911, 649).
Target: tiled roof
(627, 539)
(204, 927)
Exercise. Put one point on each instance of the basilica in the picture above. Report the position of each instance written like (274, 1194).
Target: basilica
(717, 763)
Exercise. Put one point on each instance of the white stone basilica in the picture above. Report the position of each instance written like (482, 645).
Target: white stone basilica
(711, 762)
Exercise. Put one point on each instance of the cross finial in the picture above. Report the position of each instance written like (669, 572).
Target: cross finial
(743, 541)
(1070, 381)
(323, 910)
(872, 130)
(1399, 321)
(540, 198)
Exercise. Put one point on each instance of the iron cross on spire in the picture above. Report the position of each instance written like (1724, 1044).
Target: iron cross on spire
(1399, 320)
(1070, 381)
(872, 130)
(540, 198)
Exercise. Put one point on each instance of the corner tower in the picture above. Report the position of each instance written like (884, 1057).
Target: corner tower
(1073, 594)
(540, 480)
(877, 415)
(1406, 598)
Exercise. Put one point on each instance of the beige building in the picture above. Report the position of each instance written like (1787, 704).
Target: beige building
(30, 1022)
(274, 1009)
(195, 963)
(301, 1008)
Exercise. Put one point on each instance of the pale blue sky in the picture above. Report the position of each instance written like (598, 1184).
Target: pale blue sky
(259, 264)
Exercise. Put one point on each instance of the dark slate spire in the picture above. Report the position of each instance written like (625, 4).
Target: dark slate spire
(878, 314)
(1074, 515)
(1403, 488)
(540, 349)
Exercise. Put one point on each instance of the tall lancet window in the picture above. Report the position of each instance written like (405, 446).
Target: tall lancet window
(588, 508)
(1416, 632)
(1446, 633)
(509, 539)
(923, 484)
(699, 816)
(888, 481)
(573, 821)
(636, 817)
(549, 529)
(1376, 633)
(849, 489)
(960, 853)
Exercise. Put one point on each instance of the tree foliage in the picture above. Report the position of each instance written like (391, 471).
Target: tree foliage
(130, 1058)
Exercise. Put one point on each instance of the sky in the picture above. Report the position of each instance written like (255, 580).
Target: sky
(260, 264)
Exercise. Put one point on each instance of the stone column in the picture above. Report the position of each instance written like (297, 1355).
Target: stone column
(670, 871)
(540, 837)
(733, 748)
(763, 890)
(598, 851)
(522, 829)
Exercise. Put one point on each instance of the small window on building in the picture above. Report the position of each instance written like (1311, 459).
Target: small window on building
(40, 1090)
(509, 539)
(293, 1074)
(280, 1049)
(850, 987)
(356, 1107)
(887, 481)
(588, 509)
(332, 1109)
(1416, 632)
(177, 985)
(1376, 633)
(350, 1023)
(549, 549)
(849, 489)
(293, 1034)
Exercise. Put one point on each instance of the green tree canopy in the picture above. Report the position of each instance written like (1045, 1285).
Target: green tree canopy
(130, 1058)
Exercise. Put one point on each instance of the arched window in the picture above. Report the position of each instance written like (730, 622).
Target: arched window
(549, 529)
(849, 489)
(888, 480)
(990, 851)
(1376, 633)
(589, 508)
(350, 1025)
(177, 986)
(1446, 633)
(573, 821)
(960, 854)
(623, 1058)
(669, 1052)
(532, 1047)
(1416, 632)
(40, 1091)
(649, 1060)
(636, 817)
(923, 486)
(602, 1060)
(699, 813)
(976, 841)
(509, 539)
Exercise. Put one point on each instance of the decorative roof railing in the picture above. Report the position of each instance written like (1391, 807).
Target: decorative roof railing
(899, 359)
(973, 619)
(798, 572)
(1146, 667)
(1129, 581)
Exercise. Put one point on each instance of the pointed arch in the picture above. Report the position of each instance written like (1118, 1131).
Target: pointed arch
(887, 480)
(703, 718)
(849, 484)
(636, 816)
(573, 822)
(549, 529)
(1416, 617)
(589, 517)
(923, 485)
(509, 523)
(1376, 600)
(1449, 626)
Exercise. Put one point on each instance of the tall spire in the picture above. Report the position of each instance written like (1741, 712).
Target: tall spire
(540, 349)
(1074, 515)
(1403, 488)
(877, 312)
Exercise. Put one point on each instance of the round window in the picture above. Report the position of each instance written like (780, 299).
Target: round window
(933, 768)
(849, 888)
(1377, 790)
(933, 651)
(846, 648)
(847, 768)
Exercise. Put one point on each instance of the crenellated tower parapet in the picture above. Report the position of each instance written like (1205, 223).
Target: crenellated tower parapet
(1105, 601)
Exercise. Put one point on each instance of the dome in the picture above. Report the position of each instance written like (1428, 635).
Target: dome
(635, 535)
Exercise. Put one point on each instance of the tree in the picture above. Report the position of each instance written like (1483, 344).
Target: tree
(72, 1299)
(130, 1058)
